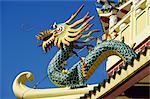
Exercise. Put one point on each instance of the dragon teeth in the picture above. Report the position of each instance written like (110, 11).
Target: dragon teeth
(46, 48)
(47, 45)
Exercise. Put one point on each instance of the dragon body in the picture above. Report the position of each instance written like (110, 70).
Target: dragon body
(66, 36)
(79, 73)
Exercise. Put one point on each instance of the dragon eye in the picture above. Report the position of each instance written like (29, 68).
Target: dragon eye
(60, 29)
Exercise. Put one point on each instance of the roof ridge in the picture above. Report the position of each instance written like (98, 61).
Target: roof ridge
(103, 84)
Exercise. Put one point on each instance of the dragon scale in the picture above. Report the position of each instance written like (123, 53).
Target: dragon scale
(75, 74)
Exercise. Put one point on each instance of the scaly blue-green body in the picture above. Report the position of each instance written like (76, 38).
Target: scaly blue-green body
(75, 75)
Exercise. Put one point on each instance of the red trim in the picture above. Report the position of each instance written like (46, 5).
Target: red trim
(148, 43)
(110, 73)
(116, 68)
(121, 64)
(124, 11)
(139, 48)
(139, 76)
(105, 19)
(142, 47)
(147, 40)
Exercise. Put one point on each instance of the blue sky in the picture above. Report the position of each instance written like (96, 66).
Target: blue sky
(20, 22)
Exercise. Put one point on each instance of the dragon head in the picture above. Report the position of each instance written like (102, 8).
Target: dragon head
(65, 33)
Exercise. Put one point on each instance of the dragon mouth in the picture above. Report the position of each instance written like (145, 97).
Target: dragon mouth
(47, 45)
(47, 39)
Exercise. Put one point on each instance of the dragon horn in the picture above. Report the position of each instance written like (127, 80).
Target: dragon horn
(75, 14)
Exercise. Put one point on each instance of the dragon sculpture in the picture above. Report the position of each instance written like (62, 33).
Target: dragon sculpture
(67, 37)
